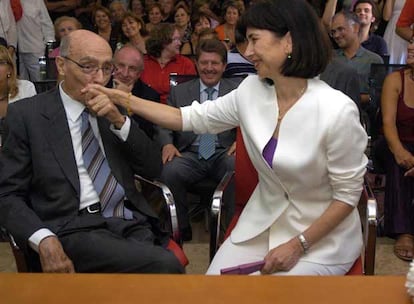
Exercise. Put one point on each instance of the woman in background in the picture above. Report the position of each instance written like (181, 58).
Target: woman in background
(198, 23)
(103, 26)
(182, 21)
(163, 57)
(232, 10)
(308, 151)
(11, 88)
(154, 16)
(137, 7)
(63, 26)
(134, 33)
(397, 106)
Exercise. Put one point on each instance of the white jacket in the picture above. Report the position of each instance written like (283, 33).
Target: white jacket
(319, 157)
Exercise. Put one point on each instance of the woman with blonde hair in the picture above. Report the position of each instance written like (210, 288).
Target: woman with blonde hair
(11, 88)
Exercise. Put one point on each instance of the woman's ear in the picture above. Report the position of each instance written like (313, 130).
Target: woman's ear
(288, 43)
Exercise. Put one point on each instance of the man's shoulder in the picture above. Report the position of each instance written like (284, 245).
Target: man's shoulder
(143, 90)
(369, 55)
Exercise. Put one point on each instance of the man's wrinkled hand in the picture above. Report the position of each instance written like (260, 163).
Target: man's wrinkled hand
(53, 258)
(102, 106)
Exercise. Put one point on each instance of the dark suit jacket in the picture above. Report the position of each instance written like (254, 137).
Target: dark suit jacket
(140, 89)
(183, 95)
(39, 182)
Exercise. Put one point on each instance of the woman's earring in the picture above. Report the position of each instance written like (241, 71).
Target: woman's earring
(289, 56)
(8, 75)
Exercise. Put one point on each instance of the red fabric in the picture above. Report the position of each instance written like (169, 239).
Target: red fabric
(178, 252)
(159, 78)
(357, 268)
(407, 14)
(17, 9)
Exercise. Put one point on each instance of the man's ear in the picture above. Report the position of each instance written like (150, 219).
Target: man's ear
(60, 65)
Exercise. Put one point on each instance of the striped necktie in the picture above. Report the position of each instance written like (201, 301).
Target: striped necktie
(111, 194)
(207, 141)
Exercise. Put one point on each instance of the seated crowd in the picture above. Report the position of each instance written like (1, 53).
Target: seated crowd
(69, 155)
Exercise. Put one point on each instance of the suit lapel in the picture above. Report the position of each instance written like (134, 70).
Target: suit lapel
(57, 133)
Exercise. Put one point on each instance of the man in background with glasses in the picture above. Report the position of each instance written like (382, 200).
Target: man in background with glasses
(67, 192)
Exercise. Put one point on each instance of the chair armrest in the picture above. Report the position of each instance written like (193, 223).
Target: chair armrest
(169, 200)
(215, 212)
(370, 229)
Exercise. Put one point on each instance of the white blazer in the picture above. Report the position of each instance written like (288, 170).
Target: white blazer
(319, 157)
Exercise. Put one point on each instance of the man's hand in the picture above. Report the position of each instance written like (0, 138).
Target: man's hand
(52, 256)
(283, 257)
(117, 84)
(232, 149)
(169, 151)
(102, 106)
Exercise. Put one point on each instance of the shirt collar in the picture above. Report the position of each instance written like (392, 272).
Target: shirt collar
(203, 86)
(72, 107)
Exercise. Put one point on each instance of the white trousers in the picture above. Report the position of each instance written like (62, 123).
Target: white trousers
(29, 66)
(256, 249)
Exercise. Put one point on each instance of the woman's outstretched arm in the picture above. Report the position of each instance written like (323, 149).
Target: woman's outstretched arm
(160, 114)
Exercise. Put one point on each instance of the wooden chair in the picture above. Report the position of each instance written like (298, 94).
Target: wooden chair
(30, 263)
(246, 178)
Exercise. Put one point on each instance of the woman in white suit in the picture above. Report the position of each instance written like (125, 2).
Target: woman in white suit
(303, 137)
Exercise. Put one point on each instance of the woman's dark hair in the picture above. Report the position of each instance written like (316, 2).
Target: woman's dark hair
(311, 50)
(159, 37)
(196, 17)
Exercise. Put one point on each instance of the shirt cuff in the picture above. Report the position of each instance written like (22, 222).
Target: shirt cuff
(124, 131)
(38, 236)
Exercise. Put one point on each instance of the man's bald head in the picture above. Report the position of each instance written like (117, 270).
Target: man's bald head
(81, 39)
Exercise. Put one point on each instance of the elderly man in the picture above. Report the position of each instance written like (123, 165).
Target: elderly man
(184, 153)
(129, 64)
(66, 184)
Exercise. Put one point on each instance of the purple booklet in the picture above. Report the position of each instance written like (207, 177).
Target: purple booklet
(243, 268)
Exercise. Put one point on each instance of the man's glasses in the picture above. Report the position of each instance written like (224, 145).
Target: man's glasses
(91, 69)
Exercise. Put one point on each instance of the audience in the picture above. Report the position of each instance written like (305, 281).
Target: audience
(366, 11)
(63, 26)
(397, 47)
(345, 31)
(232, 10)
(154, 16)
(198, 23)
(34, 29)
(59, 8)
(314, 229)
(8, 29)
(11, 88)
(137, 8)
(134, 33)
(405, 21)
(397, 107)
(163, 57)
(103, 26)
(129, 64)
(237, 63)
(182, 21)
(118, 11)
(71, 221)
(182, 150)
(167, 8)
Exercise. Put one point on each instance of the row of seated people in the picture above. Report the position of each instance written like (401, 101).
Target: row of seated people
(73, 223)
(68, 59)
(117, 25)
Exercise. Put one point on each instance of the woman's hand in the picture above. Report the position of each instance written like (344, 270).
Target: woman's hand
(283, 257)
(404, 158)
(93, 90)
